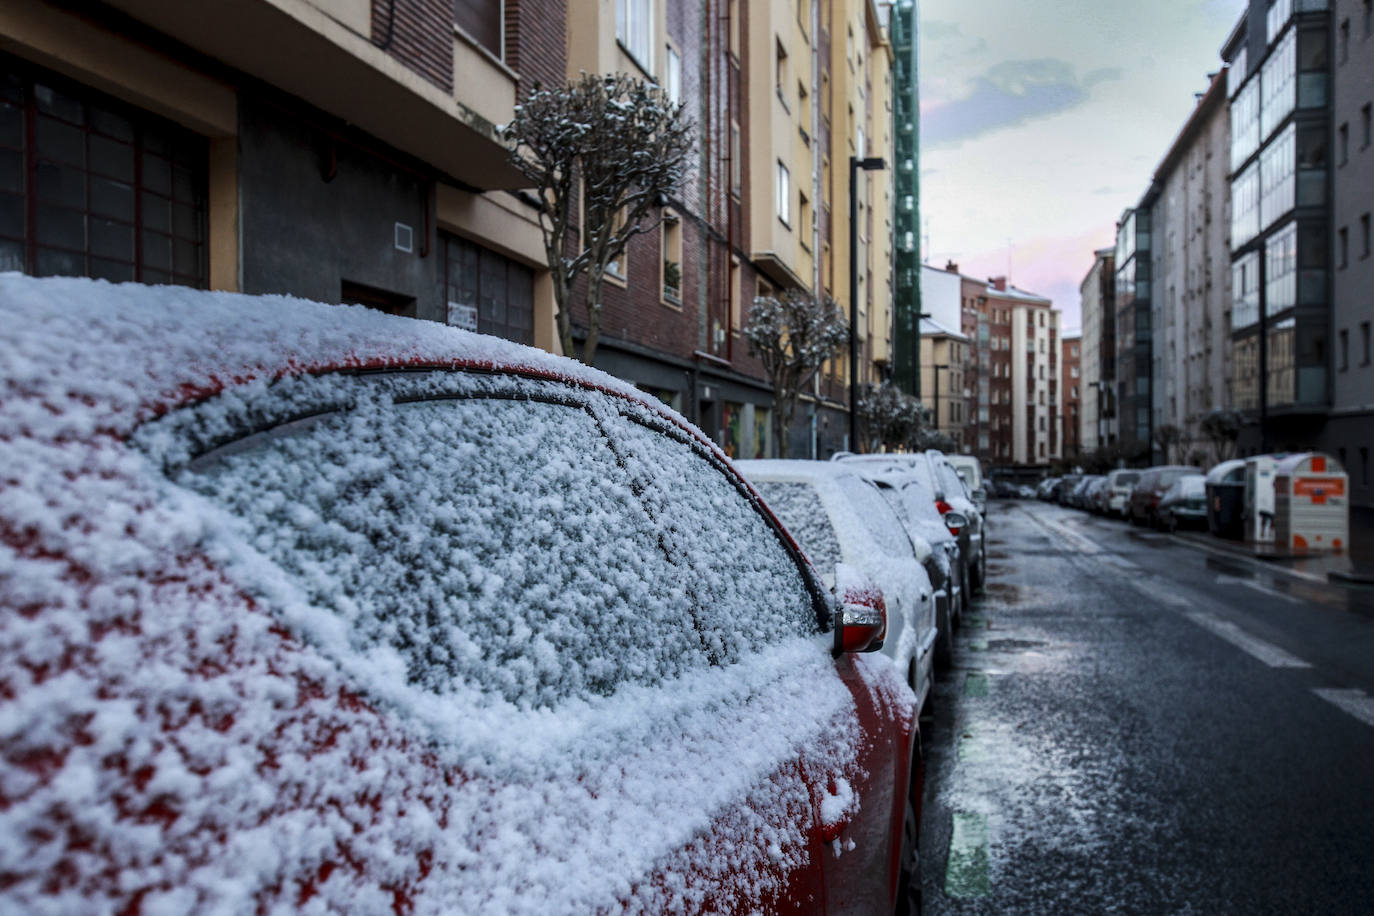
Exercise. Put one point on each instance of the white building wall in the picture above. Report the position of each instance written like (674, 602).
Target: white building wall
(941, 292)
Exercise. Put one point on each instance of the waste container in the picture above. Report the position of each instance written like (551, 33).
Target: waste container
(1259, 498)
(1311, 504)
(1226, 499)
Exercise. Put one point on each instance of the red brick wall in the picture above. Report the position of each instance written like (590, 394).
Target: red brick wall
(536, 42)
(419, 34)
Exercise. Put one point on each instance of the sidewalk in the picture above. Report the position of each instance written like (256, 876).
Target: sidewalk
(1354, 567)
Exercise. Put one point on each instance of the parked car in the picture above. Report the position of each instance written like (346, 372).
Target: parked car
(1025, 492)
(312, 608)
(1064, 489)
(911, 498)
(1117, 500)
(970, 469)
(838, 517)
(1045, 489)
(1184, 504)
(948, 489)
(1145, 495)
(1096, 497)
(1078, 496)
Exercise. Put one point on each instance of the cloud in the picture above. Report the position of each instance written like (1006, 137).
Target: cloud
(937, 30)
(1010, 93)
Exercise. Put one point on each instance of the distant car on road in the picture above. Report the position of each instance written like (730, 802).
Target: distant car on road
(1145, 495)
(1117, 493)
(309, 608)
(1184, 504)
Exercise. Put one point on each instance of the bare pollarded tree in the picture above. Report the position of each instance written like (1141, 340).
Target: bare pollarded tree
(620, 146)
(793, 334)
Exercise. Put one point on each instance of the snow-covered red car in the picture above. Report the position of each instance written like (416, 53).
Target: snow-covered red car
(307, 608)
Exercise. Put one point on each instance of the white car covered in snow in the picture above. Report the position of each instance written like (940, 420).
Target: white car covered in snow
(838, 517)
(308, 608)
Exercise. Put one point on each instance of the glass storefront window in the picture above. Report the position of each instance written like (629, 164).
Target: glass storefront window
(1245, 125)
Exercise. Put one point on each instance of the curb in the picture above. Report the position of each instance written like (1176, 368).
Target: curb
(1350, 578)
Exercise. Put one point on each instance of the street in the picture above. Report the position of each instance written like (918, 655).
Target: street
(1137, 724)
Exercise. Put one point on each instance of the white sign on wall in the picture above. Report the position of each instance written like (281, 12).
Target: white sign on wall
(462, 316)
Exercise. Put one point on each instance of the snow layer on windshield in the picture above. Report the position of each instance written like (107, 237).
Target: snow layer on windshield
(799, 508)
(187, 722)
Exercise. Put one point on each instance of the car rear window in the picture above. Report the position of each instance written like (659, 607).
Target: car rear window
(798, 506)
(1125, 480)
(470, 543)
(881, 523)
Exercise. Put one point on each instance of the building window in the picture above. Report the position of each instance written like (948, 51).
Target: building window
(488, 292)
(1342, 246)
(672, 257)
(1364, 343)
(784, 195)
(1368, 18)
(482, 21)
(736, 167)
(736, 319)
(634, 30)
(780, 72)
(1343, 42)
(1343, 142)
(1364, 236)
(804, 221)
(1364, 126)
(1343, 339)
(672, 77)
(1073, 372)
(96, 188)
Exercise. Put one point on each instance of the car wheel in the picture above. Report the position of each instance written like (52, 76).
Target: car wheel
(909, 899)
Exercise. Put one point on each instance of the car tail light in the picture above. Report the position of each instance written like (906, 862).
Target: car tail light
(943, 506)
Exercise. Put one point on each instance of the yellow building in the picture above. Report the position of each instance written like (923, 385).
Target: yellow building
(944, 360)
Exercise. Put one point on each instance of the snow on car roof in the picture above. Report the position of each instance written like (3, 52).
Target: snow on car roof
(208, 759)
(74, 339)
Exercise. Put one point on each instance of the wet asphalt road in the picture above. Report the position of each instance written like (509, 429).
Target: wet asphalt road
(1133, 724)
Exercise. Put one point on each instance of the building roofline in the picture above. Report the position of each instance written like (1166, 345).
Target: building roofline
(1205, 107)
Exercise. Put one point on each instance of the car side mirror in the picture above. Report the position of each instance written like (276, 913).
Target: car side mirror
(860, 613)
(955, 521)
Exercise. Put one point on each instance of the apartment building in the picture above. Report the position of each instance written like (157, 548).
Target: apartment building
(985, 319)
(325, 150)
(906, 254)
(1036, 414)
(1349, 431)
(1191, 301)
(944, 357)
(1279, 84)
(1134, 334)
(1071, 394)
(1097, 301)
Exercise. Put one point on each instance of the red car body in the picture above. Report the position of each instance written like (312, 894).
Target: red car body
(201, 709)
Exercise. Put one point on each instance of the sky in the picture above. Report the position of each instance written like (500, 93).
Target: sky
(1042, 121)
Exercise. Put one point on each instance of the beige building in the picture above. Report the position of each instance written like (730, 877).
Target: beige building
(1036, 408)
(944, 361)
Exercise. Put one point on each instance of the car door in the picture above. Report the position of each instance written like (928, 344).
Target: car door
(858, 794)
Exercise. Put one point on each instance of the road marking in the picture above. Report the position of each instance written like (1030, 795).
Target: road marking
(1257, 586)
(973, 620)
(1353, 702)
(966, 873)
(971, 748)
(976, 684)
(1120, 562)
(1271, 655)
(978, 645)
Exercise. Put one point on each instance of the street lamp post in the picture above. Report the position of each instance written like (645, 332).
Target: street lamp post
(868, 165)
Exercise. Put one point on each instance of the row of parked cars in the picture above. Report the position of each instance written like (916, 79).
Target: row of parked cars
(1165, 497)
(311, 608)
